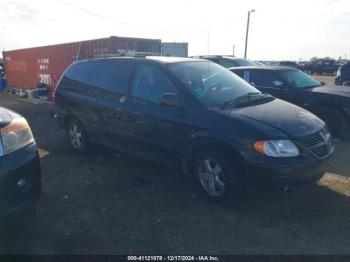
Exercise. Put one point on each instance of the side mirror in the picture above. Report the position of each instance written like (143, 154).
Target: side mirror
(170, 100)
(278, 84)
(252, 83)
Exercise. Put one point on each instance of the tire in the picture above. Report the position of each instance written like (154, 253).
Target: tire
(222, 183)
(335, 120)
(19, 218)
(15, 226)
(346, 83)
(77, 136)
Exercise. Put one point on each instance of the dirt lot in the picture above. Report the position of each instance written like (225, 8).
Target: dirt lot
(108, 204)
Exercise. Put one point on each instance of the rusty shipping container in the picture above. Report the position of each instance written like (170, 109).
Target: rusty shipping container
(25, 68)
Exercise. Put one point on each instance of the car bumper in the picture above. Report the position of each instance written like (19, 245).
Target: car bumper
(286, 177)
(20, 180)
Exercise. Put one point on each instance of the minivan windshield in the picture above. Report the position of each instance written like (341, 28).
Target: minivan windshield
(298, 79)
(212, 84)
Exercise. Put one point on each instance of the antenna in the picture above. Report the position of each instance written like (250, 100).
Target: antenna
(208, 42)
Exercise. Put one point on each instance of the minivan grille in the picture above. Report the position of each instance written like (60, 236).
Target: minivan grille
(320, 143)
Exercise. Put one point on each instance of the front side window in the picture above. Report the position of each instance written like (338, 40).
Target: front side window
(150, 83)
(298, 79)
(212, 84)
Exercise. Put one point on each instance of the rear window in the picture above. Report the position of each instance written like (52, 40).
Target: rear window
(227, 63)
(346, 68)
(80, 72)
(240, 73)
(112, 76)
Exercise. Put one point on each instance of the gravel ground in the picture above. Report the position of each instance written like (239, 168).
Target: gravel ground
(108, 204)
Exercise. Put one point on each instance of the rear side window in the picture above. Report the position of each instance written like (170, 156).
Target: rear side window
(263, 78)
(80, 72)
(112, 76)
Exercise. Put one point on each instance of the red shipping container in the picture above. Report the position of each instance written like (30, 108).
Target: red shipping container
(25, 68)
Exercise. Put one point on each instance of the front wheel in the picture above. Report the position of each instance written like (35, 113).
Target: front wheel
(335, 120)
(217, 177)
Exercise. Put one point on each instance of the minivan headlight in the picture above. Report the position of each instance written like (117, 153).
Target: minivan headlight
(277, 148)
(15, 136)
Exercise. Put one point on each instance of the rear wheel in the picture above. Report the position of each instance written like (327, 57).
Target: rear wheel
(335, 120)
(77, 136)
(217, 177)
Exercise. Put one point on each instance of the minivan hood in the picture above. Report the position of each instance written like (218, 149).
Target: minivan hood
(336, 90)
(5, 117)
(278, 114)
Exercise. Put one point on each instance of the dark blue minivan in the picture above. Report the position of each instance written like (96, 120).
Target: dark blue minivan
(194, 114)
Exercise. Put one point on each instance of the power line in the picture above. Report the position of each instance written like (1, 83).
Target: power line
(125, 23)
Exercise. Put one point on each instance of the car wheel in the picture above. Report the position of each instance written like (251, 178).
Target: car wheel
(18, 220)
(335, 120)
(217, 177)
(346, 83)
(77, 136)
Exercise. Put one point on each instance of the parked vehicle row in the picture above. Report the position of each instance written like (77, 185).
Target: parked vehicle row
(196, 115)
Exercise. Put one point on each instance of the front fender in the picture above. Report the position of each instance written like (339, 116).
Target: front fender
(210, 140)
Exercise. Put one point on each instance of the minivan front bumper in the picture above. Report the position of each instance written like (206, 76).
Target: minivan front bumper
(286, 177)
(20, 180)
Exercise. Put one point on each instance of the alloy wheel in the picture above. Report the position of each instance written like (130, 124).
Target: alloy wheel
(211, 177)
(76, 136)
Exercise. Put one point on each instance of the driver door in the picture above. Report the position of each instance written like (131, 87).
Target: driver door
(158, 131)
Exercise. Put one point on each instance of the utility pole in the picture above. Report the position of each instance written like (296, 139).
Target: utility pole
(247, 33)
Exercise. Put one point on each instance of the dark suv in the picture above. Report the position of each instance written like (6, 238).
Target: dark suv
(291, 64)
(196, 115)
(228, 61)
(332, 104)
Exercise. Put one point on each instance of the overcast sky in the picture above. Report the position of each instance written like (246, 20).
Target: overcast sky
(279, 29)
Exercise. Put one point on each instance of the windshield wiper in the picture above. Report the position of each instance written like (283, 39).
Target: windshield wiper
(242, 98)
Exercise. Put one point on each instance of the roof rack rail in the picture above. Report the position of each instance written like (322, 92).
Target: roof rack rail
(127, 54)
